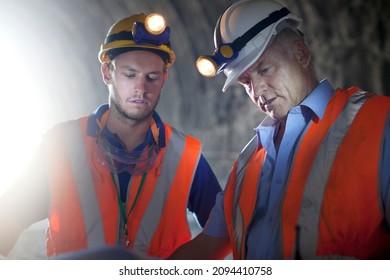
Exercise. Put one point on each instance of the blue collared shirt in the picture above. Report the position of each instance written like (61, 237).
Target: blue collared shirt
(264, 240)
(205, 185)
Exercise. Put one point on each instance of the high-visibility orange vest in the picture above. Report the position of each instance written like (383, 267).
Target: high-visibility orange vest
(332, 206)
(84, 211)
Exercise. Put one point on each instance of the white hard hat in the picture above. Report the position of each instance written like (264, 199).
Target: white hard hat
(270, 18)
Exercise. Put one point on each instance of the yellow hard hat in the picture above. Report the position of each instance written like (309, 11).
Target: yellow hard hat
(138, 32)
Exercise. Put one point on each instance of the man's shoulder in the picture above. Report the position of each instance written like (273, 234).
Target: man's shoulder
(62, 127)
(179, 132)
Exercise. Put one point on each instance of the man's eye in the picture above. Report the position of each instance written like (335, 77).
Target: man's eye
(152, 77)
(264, 70)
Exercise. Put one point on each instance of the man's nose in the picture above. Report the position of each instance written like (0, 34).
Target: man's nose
(140, 85)
(259, 86)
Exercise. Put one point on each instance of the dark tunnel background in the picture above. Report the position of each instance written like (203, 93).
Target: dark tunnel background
(50, 71)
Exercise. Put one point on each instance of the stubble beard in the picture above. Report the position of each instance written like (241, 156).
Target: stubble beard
(128, 116)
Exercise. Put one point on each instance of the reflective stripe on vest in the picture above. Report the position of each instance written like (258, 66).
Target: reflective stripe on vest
(94, 188)
(318, 177)
(239, 208)
(170, 165)
(84, 184)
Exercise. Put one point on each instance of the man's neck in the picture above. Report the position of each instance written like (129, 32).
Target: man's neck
(279, 135)
(131, 132)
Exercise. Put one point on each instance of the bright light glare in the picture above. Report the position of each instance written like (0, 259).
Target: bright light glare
(206, 67)
(22, 113)
(155, 23)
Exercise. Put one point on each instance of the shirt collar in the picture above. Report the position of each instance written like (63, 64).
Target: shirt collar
(316, 102)
(318, 99)
(93, 127)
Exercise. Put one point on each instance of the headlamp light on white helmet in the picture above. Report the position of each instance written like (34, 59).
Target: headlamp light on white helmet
(210, 66)
(241, 35)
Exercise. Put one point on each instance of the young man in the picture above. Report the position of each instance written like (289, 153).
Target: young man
(314, 181)
(119, 176)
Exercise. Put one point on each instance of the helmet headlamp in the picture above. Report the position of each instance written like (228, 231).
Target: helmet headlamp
(155, 23)
(210, 66)
(138, 31)
(153, 30)
(225, 53)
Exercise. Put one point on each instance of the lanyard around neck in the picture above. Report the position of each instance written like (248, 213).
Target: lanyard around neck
(122, 205)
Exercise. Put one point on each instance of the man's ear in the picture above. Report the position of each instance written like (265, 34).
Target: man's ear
(106, 74)
(302, 53)
(165, 74)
